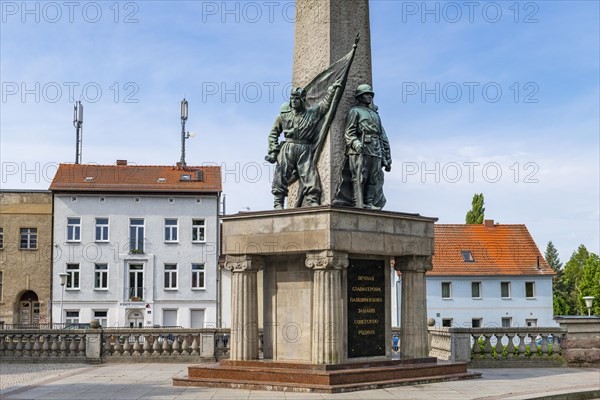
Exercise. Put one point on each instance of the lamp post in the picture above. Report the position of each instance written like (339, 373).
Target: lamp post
(589, 300)
(63, 281)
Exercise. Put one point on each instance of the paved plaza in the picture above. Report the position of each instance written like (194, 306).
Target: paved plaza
(153, 382)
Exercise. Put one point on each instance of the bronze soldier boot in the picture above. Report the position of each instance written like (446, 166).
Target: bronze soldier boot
(278, 202)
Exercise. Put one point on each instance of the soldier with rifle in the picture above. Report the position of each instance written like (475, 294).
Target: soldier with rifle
(368, 151)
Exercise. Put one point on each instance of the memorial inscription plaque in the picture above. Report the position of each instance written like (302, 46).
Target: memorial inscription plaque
(366, 308)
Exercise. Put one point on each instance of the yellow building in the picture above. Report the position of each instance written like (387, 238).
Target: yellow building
(25, 256)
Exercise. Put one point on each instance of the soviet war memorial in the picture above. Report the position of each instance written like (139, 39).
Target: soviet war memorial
(308, 242)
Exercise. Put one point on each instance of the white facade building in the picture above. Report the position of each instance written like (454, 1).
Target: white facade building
(487, 275)
(139, 245)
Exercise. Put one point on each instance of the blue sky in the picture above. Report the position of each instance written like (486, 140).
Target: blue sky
(494, 97)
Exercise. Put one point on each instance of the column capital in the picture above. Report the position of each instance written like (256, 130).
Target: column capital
(413, 263)
(243, 263)
(327, 259)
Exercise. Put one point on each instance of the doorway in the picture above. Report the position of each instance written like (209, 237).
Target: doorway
(29, 308)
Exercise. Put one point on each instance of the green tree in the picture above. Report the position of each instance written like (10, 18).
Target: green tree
(476, 214)
(572, 278)
(589, 284)
(560, 293)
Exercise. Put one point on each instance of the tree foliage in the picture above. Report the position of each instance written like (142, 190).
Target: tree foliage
(551, 257)
(560, 292)
(476, 214)
(589, 284)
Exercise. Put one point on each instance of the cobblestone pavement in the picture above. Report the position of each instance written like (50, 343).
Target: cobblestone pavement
(154, 382)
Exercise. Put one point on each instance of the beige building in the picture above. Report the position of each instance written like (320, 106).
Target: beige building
(25, 256)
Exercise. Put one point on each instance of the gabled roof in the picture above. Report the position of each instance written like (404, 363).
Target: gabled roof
(136, 178)
(496, 250)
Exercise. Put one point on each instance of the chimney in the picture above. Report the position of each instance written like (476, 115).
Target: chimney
(121, 162)
(489, 223)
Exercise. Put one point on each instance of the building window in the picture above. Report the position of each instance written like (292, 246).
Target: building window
(170, 276)
(505, 290)
(72, 317)
(476, 322)
(530, 290)
(197, 276)
(506, 322)
(467, 256)
(476, 290)
(101, 276)
(171, 230)
(1, 238)
(28, 238)
(198, 230)
(73, 229)
(447, 322)
(72, 276)
(102, 317)
(136, 235)
(136, 282)
(446, 290)
(101, 229)
(531, 322)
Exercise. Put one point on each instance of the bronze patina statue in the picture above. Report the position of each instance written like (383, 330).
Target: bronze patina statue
(295, 155)
(368, 151)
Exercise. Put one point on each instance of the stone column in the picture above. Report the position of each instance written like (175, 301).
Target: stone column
(244, 304)
(327, 306)
(413, 324)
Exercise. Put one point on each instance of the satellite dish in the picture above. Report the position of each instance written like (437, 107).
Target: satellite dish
(192, 134)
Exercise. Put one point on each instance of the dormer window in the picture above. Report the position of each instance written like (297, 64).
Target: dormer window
(467, 256)
(161, 180)
(89, 179)
(185, 178)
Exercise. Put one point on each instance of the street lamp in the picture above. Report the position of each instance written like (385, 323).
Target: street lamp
(589, 300)
(63, 281)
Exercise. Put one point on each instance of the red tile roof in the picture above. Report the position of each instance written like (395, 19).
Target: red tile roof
(135, 178)
(497, 250)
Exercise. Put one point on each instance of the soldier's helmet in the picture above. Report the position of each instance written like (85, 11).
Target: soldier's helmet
(362, 89)
(298, 92)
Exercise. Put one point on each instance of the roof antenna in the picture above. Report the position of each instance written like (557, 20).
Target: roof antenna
(184, 135)
(78, 124)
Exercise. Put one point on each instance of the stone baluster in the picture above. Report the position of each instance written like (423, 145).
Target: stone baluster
(556, 344)
(127, 346)
(19, 348)
(118, 348)
(155, 346)
(36, 351)
(63, 345)
(510, 346)
(185, 346)
(544, 346)
(195, 346)
(522, 345)
(136, 345)
(327, 305)
(10, 345)
(147, 347)
(414, 335)
(244, 324)
(81, 346)
(166, 346)
(73, 346)
(46, 352)
(487, 347)
(499, 347)
(476, 350)
(2, 345)
(108, 347)
(27, 347)
(176, 347)
(55, 346)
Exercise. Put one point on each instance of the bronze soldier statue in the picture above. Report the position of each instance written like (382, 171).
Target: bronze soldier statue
(299, 126)
(368, 151)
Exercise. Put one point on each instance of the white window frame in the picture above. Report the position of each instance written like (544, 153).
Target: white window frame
(509, 319)
(477, 319)
(73, 276)
(171, 229)
(198, 229)
(103, 272)
(101, 319)
(509, 290)
(135, 243)
(31, 238)
(104, 230)
(172, 277)
(73, 229)
(71, 319)
(532, 289)
(480, 289)
(197, 275)
(449, 290)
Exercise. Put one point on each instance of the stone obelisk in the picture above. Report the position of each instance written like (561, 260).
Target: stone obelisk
(324, 32)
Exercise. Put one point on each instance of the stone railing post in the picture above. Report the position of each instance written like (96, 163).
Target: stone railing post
(414, 305)
(93, 344)
(244, 304)
(327, 305)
